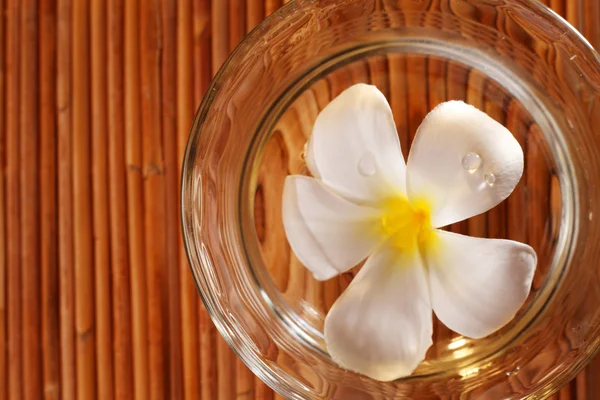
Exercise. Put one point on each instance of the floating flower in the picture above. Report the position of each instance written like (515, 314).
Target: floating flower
(364, 202)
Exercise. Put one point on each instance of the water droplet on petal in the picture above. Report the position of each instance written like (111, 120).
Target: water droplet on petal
(366, 165)
(471, 162)
(489, 178)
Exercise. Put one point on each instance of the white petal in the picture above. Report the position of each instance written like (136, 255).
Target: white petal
(452, 131)
(478, 285)
(381, 326)
(354, 147)
(328, 234)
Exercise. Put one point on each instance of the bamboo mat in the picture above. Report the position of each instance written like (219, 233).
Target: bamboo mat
(96, 299)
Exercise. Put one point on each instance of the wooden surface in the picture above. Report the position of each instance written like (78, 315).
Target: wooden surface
(96, 299)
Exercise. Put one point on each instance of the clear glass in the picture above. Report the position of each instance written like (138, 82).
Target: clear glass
(514, 59)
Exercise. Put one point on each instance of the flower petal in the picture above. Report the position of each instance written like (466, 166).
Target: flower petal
(453, 139)
(328, 234)
(381, 326)
(478, 285)
(354, 147)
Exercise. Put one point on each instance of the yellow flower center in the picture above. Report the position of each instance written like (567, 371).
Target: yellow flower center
(408, 225)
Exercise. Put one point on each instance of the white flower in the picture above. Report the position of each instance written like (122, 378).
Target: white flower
(365, 202)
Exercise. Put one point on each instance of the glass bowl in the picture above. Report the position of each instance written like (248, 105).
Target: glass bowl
(514, 59)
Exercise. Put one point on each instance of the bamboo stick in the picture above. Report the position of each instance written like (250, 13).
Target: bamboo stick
(538, 190)
(416, 71)
(565, 393)
(398, 93)
(188, 291)
(244, 387)
(437, 81)
(208, 356)
(101, 250)
(3, 295)
(591, 29)
(237, 22)
(365, 71)
(13, 243)
(3, 272)
(121, 296)
(203, 73)
(379, 74)
(30, 213)
(168, 105)
(226, 371)
(65, 201)
(220, 33)
(262, 391)
(3, 301)
(272, 5)
(84, 271)
(3, 280)
(581, 384)
(558, 6)
(154, 195)
(135, 200)
(573, 12)
(49, 211)
(202, 51)
(255, 13)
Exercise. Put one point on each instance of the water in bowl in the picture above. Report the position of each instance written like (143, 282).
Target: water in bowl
(414, 82)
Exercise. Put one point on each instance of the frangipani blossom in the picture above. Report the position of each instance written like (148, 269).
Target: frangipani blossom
(364, 202)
